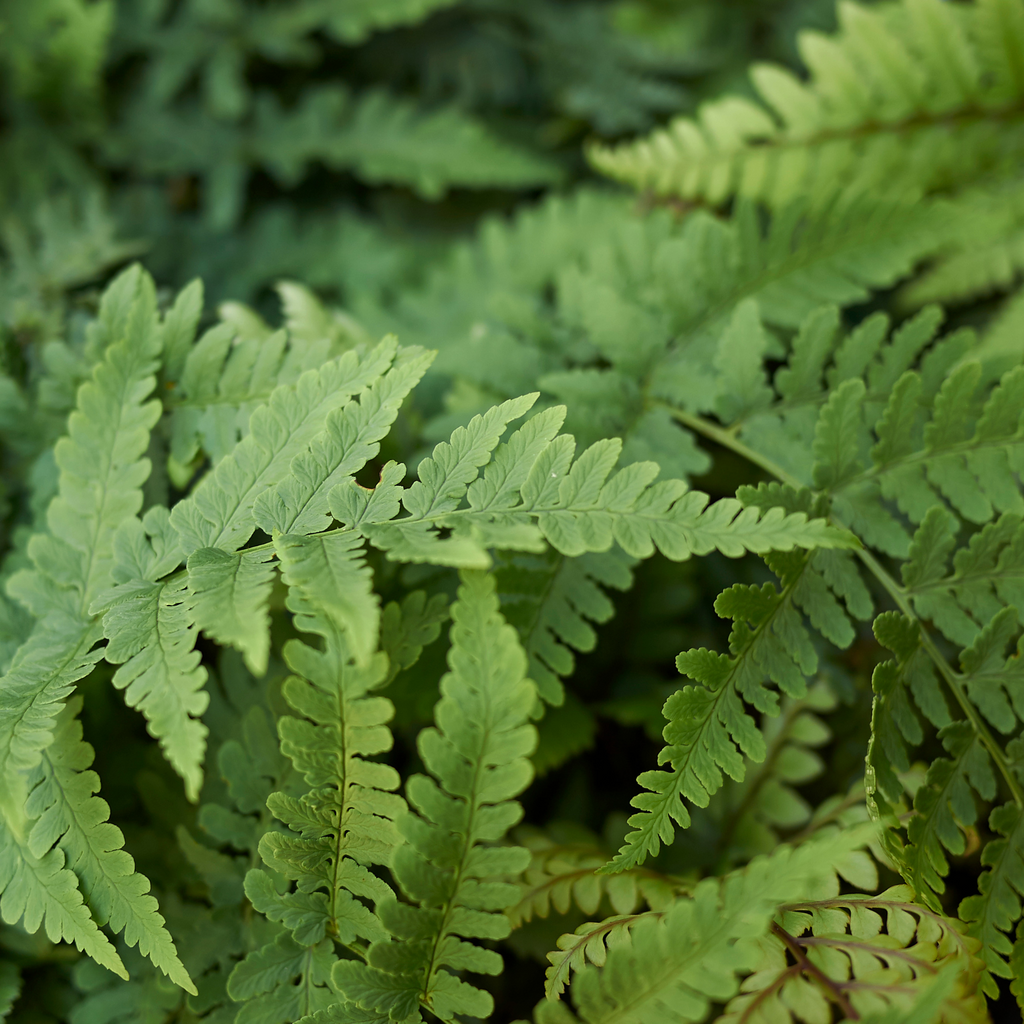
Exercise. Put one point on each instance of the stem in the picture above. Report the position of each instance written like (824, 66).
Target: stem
(808, 967)
(895, 591)
(723, 437)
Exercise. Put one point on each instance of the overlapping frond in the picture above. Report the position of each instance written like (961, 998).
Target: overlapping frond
(449, 868)
(862, 954)
(67, 815)
(710, 732)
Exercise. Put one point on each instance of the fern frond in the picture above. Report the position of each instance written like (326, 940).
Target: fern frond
(894, 101)
(676, 963)
(101, 472)
(578, 506)
(344, 821)
(860, 953)
(552, 600)
(42, 892)
(987, 576)
(478, 755)
(151, 636)
(384, 138)
(589, 944)
(563, 874)
(10, 987)
(709, 730)
(352, 435)
(67, 815)
(219, 512)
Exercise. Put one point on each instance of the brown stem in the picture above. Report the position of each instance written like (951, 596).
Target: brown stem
(831, 987)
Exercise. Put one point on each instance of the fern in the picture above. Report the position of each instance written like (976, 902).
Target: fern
(848, 960)
(709, 730)
(674, 964)
(892, 101)
(477, 754)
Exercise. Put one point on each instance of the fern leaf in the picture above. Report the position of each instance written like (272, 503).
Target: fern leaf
(478, 755)
(578, 506)
(709, 731)
(991, 914)
(43, 892)
(675, 964)
(10, 987)
(826, 951)
(151, 635)
(219, 512)
(69, 816)
(228, 595)
(552, 600)
(298, 504)
(874, 114)
(101, 471)
(345, 819)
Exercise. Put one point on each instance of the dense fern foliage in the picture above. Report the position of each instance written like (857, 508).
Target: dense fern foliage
(511, 511)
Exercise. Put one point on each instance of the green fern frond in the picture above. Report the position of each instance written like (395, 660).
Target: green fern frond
(344, 821)
(563, 874)
(352, 435)
(709, 730)
(894, 101)
(676, 963)
(44, 893)
(532, 490)
(101, 472)
(151, 635)
(552, 600)
(10, 987)
(67, 815)
(861, 954)
(478, 755)
(219, 512)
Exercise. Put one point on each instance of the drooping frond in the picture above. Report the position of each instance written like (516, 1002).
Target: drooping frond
(552, 600)
(101, 472)
(477, 755)
(151, 637)
(920, 95)
(67, 816)
(709, 730)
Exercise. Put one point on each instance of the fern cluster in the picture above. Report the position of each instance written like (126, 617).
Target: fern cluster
(334, 630)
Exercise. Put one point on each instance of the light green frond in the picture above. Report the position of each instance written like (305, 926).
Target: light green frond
(477, 755)
(298, 504)
(877, 113)
(41, 892)
(151, 635)
(219, 512)
(69, 816)
(677, 963)
(101, 472)
(864, 953)
(229, 593)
